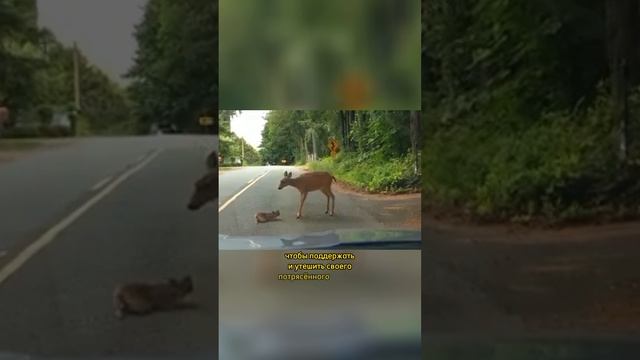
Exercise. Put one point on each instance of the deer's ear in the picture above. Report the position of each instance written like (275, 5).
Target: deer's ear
(285, 173)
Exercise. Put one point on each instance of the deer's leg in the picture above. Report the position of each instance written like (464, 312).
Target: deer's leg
(327, 194)
(333, 202)
(303, 197)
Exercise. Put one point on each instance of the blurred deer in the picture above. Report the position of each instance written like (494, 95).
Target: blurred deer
(311, 181)
(212, 161)
(206, 188)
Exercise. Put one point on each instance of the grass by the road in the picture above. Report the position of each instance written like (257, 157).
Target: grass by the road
(18, 144)
(372, 173)
(13, 148)
(228, 168)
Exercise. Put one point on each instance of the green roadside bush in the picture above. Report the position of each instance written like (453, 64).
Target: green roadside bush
(561, 167)
(371, 172)
(36, 132)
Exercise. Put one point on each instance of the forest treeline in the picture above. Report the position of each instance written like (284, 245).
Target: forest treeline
(531, 109)
(36, 79)
(377, 152)
(173, 79)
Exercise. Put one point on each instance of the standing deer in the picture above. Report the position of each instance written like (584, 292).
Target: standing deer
(311, 181)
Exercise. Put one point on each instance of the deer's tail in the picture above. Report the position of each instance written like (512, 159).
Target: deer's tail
(334, 178)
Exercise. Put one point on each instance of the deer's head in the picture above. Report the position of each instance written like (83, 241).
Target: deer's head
(206, 189)
(286, 180)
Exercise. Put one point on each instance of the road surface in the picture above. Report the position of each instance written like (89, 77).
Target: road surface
(502, 282)
(104, 210)
(245, 191)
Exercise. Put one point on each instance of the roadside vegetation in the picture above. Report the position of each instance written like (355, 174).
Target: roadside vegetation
(172, 80)
(377, 152)
(529, 116)
(36, 82)
(174, 77)
(231, 146)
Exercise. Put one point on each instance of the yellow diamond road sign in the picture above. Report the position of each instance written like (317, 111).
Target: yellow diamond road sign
(334, 147)
(206, 121)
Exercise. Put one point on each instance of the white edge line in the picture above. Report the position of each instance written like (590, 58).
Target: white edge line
(51, 234)
(101, 183)
(241, 191)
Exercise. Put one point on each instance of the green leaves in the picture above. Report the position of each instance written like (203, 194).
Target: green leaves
(378, 158)
(36, 75)
(518, 125)
(536, 49)
(175, 71)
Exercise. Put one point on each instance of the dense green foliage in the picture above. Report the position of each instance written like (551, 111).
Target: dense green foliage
(175, 72)
(36, 79)
(376, 174)
(518, 112)
(376, 152)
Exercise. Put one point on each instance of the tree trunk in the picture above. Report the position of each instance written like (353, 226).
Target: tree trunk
(342, 128)
(347, 118)
(620, 17)
(350, 120)
(415, 133)
(303, 148)
(315, 145)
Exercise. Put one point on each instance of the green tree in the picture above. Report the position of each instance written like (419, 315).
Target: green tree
(19, 56)
(36, 74)
(175, 71)
(291, 134)
(522, 102)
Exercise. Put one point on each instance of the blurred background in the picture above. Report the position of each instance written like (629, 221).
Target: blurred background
(105, 111)
(372, 311)
(328, 54)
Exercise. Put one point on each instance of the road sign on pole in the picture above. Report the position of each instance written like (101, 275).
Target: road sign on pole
(206, 121)
(334, 147)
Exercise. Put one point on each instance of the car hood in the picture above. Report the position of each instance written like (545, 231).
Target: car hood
(355, 238)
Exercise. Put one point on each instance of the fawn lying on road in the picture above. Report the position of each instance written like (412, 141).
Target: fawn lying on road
(263, 217)
(311, 181)
(142, 298)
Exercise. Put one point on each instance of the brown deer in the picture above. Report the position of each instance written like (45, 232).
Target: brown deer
(212, 161)
(311, 181)
(206, 190)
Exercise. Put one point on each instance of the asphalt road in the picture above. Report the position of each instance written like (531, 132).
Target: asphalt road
(240, 203)
(58, 302)
(502, 282)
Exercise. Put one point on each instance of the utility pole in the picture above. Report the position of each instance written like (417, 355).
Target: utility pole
(242, 146)
(76, 76)
(314, 139)
(76, 88)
